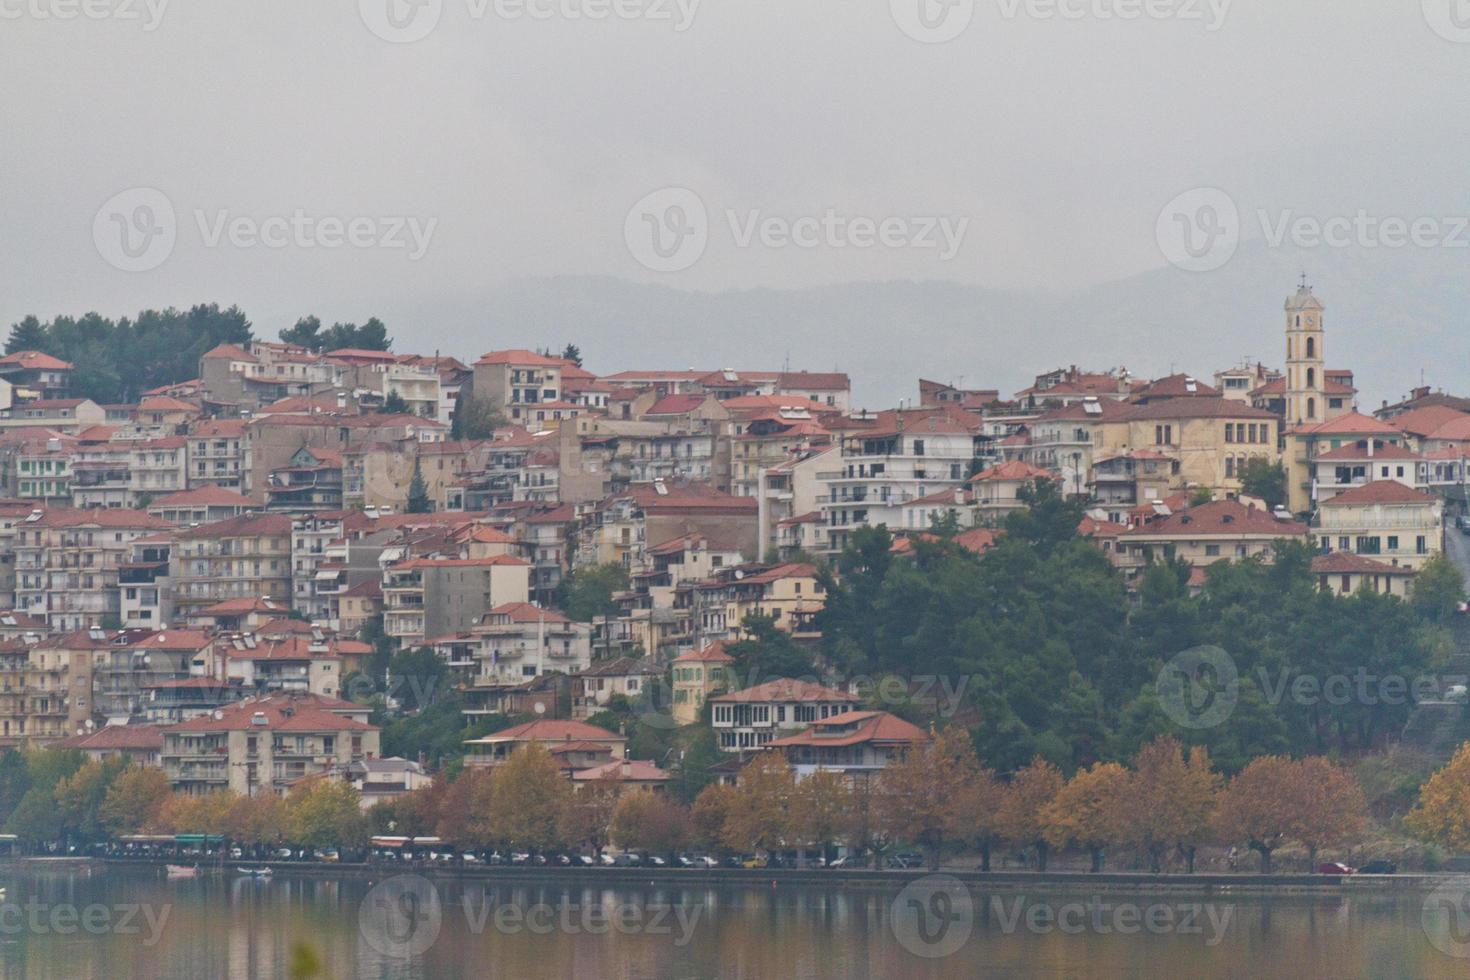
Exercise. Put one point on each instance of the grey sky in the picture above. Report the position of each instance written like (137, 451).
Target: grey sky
(1058, 140)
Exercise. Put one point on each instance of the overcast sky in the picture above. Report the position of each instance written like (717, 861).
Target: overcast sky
(502, 145)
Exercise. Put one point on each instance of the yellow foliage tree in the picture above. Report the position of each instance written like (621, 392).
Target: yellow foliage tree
(919, 796)
(758, 815)
(1442, 814)
(1087, 811)
(1019, 818)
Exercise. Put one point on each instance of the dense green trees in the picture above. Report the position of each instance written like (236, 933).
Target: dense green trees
(116, 361)
(308, 333)
(1055, 660)
(587, 593)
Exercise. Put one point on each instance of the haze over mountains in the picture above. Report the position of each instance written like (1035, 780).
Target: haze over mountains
(1391, 315)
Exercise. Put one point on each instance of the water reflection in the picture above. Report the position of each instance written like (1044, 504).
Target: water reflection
(232, 926)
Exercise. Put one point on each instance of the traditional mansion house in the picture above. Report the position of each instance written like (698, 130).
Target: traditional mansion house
(755, 717)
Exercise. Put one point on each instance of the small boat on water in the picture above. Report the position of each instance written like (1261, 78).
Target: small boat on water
(256, 872)
(182, 871)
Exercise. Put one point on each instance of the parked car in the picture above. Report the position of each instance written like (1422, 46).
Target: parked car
(655, 861)
(842, 862)
(754, 862)
(585, 860)
(1336, 868)
(1379, 867)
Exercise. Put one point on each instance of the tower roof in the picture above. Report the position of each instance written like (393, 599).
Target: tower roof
(1304, 299)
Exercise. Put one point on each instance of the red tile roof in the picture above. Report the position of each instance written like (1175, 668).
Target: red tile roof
(232, 352)
(1346, 563)
(870, 726)
(1381, 492)
(202, 497)
(1013, 470)
(1359, 450)
(1353, 423)
(117, 738)
(1423, 421)
(281, 714)
(521, 357)
(527, 612)
(34, 360)
(631, 769)
(713, 653)
(552, 730)
(1230, 518)
(1197, 408)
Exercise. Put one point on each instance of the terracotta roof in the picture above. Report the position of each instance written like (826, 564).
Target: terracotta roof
(713, 653)
(240, 607)
(171, 640)
(785, 689)
(1221, 517)
(1359, 450)
(552, 730)
(1346, 563)
(814, 381)
(101, 517)
(232, 352)
(526, 612)
(1176, 386)
(630, 769)
(1013, 470)
(676, 404)
(621, 667)
(790, 570)
(1197, 408)
(1353, 423)
(219, 428)
(459, 562)
(34, 360)
(521, 357)
(163, 403)
(244, 526)
(202, 496)
(870, 726)
(1423, 421)
(281, 714)
(1381, 492)
(117, 738)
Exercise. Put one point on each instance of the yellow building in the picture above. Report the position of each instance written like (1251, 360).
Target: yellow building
(698, 676)
(1305, 444)
(1212, 438)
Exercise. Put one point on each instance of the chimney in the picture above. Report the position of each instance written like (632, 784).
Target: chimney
(1372, 443)
(959, 496)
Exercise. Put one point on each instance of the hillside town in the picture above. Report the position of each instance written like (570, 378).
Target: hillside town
(249, 579)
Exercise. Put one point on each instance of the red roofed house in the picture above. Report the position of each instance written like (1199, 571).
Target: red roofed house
(698, 675)
(517, 641)
(997, 490)
(216, 456)
(1305, 443)
(854, 743)
(204, 505)
(36, 374)
(1386, 521)
(1223, 530)
(1357, 463)
(67, 562)
(517, 381)
(496, 748)
(246, 557)
(1343, 573)
(756, 716)
(263, 745)
(140, 744)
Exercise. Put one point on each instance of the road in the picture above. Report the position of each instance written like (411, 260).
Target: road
(1457, 546)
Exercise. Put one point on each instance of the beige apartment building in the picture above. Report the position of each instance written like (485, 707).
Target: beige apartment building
(516, 382)
(67, 562)
(246, 557)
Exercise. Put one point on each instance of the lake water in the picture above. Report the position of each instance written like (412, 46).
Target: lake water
(136, 923)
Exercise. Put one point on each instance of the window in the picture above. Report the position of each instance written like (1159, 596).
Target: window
(1393, 543)
(1421, 545)
(918, 447)
(1212, 551)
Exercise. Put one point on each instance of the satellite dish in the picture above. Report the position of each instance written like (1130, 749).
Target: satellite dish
(739, 575)
(540, 708)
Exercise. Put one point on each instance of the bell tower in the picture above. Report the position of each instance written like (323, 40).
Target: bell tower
(1306, 384)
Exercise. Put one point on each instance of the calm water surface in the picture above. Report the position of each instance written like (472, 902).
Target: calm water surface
(136, 923)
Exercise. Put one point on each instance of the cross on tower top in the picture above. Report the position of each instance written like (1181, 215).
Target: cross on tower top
(1305, 288)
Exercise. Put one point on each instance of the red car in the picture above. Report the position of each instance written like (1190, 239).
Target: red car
(1336, 868)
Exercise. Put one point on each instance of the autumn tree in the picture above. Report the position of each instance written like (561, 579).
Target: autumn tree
(528, 799)
(759, 813)
(326, 812)
(918, 794)
(708, 813)
(650, 822)
(464, 814)
(208, 813)
(80, 796)
(588, 816)
(977, 809)
(1168, 801)
(1086, 811)
(256, 820)
(415, 813)
(1019, 819)
(1254, 807)
(822, 810)
(134, 800)
(1331, 810)
(1442, 814)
